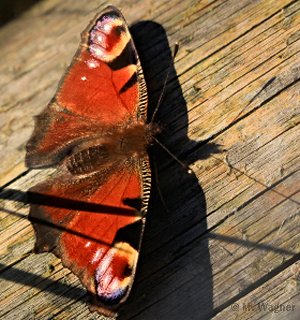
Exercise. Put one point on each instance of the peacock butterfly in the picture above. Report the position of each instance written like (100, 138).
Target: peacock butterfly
(95, 132)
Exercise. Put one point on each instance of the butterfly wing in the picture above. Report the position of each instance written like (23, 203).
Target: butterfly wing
(91, 214)
(99, 242)
(103, 89)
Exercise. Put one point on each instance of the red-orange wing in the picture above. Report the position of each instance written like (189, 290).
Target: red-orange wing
(92, 213)
(102, 90)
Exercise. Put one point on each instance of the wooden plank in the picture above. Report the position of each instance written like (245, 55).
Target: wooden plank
(276, 299)
(231, 233)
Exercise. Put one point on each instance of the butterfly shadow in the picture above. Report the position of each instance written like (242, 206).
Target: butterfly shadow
(174, 276)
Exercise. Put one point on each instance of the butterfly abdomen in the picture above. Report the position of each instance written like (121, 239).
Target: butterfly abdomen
(87, 160)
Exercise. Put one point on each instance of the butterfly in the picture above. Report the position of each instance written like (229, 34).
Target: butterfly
(95, 132)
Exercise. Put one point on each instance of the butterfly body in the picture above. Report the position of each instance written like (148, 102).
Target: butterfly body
(119, 145)
(95, 132)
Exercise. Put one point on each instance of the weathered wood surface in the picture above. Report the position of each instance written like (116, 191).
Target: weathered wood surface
(229, 248)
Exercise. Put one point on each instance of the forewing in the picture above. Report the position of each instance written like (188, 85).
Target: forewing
(102, 90)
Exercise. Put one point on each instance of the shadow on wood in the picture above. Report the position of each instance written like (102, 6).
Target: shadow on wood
(170, 278)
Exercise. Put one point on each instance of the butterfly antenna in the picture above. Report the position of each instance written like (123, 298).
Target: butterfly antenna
(158, 188)
(166, 81)
(185, 167)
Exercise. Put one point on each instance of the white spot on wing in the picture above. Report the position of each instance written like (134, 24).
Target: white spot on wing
(106, 280)
(97, 256)
(92, 64)
(83, 78)
(97, 51)
(99, 38)
(104, 264)
(114, 285)
(107, 27)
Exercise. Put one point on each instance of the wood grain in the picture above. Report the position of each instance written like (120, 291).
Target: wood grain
(228, 247)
